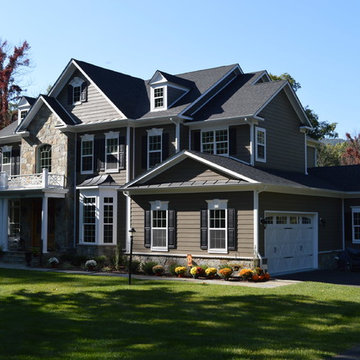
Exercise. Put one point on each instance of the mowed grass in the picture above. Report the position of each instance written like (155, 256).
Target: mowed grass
(62, 316)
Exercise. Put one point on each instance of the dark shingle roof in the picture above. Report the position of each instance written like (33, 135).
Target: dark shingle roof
(30, 100)
(346, 178)
(177, 80)
(9, 130)
(241, 98)
(60, 111)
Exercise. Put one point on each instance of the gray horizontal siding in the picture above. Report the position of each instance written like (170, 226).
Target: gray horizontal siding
(285, 145)
(96, 109)
(188, 209)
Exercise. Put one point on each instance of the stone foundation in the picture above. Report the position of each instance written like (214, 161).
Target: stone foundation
(167, 261)
(94, 251)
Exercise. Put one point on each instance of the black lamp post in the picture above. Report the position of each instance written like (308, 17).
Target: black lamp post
(131, 231)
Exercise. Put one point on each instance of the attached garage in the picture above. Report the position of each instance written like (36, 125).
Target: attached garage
(291, 241)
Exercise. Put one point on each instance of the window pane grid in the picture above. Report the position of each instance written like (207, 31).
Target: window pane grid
(158, 97)
(217, 229)
(108, 219)
(89, 218)
(6, 160)
(215, 142)
(155, 151)
(87, 155)
(356, 226)
(159, 228)
(45, 157)
(77, 92)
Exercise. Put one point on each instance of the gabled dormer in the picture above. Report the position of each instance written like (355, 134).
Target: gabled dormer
(24, 106)
(166, 90)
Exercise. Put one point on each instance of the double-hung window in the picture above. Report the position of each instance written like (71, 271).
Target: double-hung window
(154, 147)
(159, 225)
(158, 98)
(260, 144)
(215, 141)
(87, 154)
(108, 215)
(355, 214)
(89, 219)
(78, 91)
(112, 152)
(6, 159)
(217, 226)
(44, 157)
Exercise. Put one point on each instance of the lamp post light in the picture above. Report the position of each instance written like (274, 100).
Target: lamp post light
(131, 231)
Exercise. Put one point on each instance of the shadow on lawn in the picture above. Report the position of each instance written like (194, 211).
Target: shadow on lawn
(160, 323)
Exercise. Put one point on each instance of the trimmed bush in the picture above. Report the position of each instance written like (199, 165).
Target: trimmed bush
(147, 267)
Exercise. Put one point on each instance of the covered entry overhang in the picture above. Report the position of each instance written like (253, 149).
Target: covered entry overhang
(20, 194)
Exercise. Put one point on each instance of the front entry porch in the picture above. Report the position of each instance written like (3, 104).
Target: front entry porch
(29, 223)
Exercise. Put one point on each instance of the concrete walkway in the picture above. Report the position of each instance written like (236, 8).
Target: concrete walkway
(274, 283)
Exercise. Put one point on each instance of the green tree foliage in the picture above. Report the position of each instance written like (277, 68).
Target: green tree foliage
(351, 155)
(321, 129)
(331, 154)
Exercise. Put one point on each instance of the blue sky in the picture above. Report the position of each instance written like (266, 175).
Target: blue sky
(317, 42)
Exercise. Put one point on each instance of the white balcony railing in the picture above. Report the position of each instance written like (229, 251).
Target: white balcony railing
(44, 180)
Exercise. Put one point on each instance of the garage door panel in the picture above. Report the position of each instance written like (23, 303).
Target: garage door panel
(289, 242)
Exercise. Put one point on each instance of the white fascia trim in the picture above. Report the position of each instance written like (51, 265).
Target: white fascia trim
(178, 158)
(98, 89)
(260, 76)
(247, 119)
(101, 125)
(211, 97)
(99, 187)
(10, 139)
(295, 97)
(46, 103)
(210, 88)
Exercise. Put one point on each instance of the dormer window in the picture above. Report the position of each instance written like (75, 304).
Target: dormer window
(158, 101)
(77, 91)
(23, 114)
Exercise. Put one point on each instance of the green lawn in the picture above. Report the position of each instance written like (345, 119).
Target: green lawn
(60, 316)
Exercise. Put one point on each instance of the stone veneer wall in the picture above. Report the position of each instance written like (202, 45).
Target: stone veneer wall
(42, 131)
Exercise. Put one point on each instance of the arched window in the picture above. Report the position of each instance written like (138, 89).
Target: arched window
(44, 157)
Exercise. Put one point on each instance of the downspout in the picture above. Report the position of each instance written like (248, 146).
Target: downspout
(128, 203)
(177, 133)
(128, 220)
(306, 162)
(133, 153)
(256, 225)
(75, 199)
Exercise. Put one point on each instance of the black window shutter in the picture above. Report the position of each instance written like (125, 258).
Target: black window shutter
(232, 243)
(147, 229)
(15, 161)
(70, 94)
(99, 151)
(172, 229)
(195, 140)
(165, 146)
(84, 91)
(122, 152)
(232, 141)
(204, 229)
(0, 160)
(144, 152)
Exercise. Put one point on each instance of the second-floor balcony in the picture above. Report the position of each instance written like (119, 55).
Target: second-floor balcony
(44, 180)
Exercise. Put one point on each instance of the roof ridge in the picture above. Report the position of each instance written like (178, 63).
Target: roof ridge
(201, 70)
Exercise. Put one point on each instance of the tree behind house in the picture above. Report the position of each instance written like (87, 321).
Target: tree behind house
(10, 90)
(351, 155)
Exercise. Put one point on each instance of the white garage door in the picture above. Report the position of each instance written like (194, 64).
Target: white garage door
(290, 242)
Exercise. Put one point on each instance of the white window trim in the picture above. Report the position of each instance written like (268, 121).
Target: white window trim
(6, 148)
(84, 138)
(354, 209)
(257, 130)
(99, 195)
(217, 204)
(76, 82)
(152, 103)
(82, 218)
(153, 132)
(214, 141)
(160, 205)
(112, 135)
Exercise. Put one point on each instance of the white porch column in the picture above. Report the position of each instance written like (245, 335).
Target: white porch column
(45, 178)
(44, 224)
(4, 221)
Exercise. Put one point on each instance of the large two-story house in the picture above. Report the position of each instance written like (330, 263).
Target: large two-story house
(214, 163)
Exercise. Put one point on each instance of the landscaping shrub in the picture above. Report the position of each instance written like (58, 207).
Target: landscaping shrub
(135, 266)
(225, 273)
(102, 260)
(90, 265)
(158, 269)
(180, 270)
(172, 268)
(147, 267)
(197, 271)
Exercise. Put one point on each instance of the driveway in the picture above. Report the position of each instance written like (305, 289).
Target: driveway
(326, 276)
